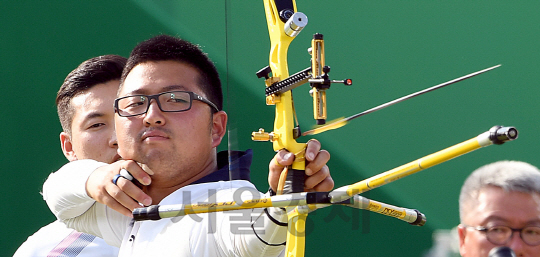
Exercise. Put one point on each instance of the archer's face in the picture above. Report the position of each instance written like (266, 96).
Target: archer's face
(175, 145)
(92, 128)
(496, 207)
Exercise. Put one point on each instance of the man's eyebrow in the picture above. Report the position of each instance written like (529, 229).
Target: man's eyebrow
(535, 222)
(163, 89)
(494, 218)
(174, 87)
(93, 115)
(498, 218)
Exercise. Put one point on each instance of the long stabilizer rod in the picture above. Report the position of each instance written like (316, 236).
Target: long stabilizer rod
(315, 200)
(496, 135)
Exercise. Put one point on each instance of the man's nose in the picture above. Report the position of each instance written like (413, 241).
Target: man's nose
(113, 141)
(154, 115)
(517, 244)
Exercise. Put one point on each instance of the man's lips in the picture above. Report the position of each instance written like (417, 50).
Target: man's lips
(154, 134)
(117, 158)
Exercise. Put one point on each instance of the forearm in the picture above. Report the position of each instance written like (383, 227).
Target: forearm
(65, 190)
(101, 221)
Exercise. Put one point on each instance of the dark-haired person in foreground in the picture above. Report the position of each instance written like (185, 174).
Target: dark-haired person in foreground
(169, 119)
(499, 205)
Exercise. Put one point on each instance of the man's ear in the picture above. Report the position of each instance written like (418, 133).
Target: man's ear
(462, 231)
(219, 127)
(67, 146)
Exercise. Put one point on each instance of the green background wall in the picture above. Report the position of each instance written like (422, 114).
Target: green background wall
(388, 48)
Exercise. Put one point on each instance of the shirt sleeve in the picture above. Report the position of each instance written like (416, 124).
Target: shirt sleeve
(267, 237)
(101, 221)
(65, 190)
(65, 194)
(253, 233)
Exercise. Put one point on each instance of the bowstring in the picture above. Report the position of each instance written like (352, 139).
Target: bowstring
(229, 138)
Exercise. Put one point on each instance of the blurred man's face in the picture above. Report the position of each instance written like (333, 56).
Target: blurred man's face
(495, 207)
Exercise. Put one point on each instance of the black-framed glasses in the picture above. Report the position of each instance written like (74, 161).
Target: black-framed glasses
(172, 101)
(500, 235)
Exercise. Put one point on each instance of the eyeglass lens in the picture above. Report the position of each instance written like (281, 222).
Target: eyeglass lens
(501, 235)
(169, 101)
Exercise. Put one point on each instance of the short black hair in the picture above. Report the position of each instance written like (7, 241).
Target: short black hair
(168, 48)
(97, 70)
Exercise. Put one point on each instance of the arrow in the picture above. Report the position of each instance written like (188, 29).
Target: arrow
(343, 121)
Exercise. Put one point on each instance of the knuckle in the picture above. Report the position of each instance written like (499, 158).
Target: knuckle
(329, 184)
(107, 201)
(325, 170)
(101, 187)
(115, 194)
(130, 165)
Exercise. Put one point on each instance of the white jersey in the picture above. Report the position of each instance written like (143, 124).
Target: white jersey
(56, 239)
(215, 234)
(210, 234)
